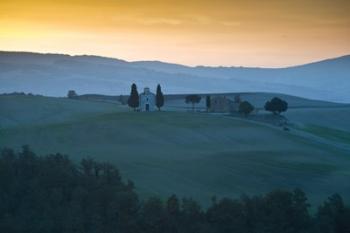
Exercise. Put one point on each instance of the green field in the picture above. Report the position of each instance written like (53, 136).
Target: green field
(329, 133)
(191, 154)
(332, 118)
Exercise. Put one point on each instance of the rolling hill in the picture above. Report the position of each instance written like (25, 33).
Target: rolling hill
(190, 154)
(55, 74)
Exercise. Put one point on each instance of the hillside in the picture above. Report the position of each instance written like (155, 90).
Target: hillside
(36, 110)
(55, 74)
(190, 154)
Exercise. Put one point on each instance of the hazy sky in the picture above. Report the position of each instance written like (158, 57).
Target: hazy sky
(269, 33)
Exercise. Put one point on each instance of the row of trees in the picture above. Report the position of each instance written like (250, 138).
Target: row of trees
(275, 105)
(134, 99)
(53, 194)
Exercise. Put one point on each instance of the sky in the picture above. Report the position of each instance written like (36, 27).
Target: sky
(270, 33)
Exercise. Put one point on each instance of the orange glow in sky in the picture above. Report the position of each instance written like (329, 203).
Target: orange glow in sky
(268, 33)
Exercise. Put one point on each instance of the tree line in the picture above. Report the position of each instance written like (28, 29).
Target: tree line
(275, 105)
(53, 194)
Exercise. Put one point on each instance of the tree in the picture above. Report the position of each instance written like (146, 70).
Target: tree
(300, 215)
(193, 99)
(173, 205)
(227, 216)
(159, 98)
(282, 210)
(133, 100)
(333, 216)
(208, 102)
(237, 99)
(192, 216)
(172, 214)
(246, 108)
(276, 105)
(71, 94)
(153, 216)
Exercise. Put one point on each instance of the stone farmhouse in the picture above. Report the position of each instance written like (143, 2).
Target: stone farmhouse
(223, 104)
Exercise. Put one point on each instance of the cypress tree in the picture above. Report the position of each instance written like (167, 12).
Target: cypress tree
(208, 102)
(159, 98)
(133, 100)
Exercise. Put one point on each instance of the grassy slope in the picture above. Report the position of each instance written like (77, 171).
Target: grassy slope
(24, 110)
(329, 133)
(322, 119)
(188, 154)
(335, 117)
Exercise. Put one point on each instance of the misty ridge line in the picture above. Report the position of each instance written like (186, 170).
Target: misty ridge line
(19, 52)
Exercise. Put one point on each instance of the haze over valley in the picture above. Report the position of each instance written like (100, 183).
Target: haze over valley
(55, 74)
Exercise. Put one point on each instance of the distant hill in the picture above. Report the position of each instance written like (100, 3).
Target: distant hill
(55, 74)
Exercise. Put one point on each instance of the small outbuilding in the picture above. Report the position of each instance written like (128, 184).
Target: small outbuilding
(147, 100)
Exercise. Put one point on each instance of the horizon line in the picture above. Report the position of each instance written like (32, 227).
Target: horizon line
(174, 63)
